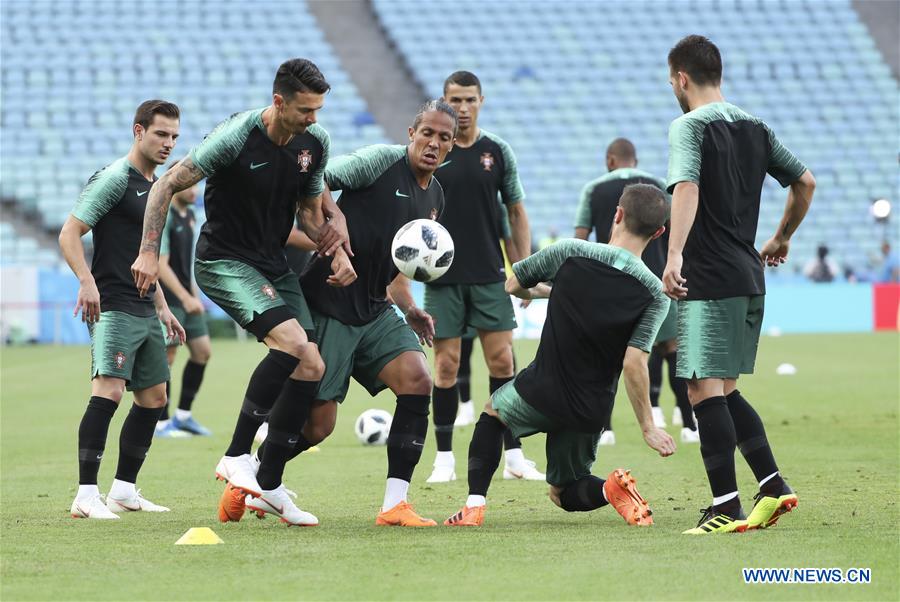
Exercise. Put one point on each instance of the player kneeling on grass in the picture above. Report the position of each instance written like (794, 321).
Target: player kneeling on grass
(358, 332)
(604, 312)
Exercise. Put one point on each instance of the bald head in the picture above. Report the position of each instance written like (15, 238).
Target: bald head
(620, 153)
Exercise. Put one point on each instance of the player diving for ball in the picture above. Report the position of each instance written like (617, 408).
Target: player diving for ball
(604, 312)
(358, 332)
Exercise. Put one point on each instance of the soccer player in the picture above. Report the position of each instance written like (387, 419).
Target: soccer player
(128, 349)
(479, 167)
(466, 412)
(604, 312)
(262, 166)
(176, 260)
(718, 158)
(596, 209)
(359, 333)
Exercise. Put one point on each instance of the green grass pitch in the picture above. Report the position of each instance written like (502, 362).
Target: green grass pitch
(834, 428)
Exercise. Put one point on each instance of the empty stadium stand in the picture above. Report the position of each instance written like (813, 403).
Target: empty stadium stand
(562, 79)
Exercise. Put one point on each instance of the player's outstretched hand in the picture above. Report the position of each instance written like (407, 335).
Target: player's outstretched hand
(674, 285)
(660, 440)
(88, 302)
(333, 235)
(174, 329)
(775, 251)
(342, 270)
(422, 324)
(145, 271)
(193, 305)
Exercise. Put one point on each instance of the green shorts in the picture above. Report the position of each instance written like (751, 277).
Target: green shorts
(129, 347)
(194, 324)
(570, 454)
(456, 307)
(360, 351)
(669, 328)
(249, 298)
(718, 338)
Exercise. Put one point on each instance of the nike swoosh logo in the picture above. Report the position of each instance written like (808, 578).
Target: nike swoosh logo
(143, 193)
(99, 456)
(261, 414)
(292, 441)
(258, 165)
(445, 163)
(398, 193)
(127, 507)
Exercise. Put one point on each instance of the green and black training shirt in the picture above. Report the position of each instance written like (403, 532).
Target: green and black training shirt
(379, 195)
(253, 188)
(727, 152)
(112, 203)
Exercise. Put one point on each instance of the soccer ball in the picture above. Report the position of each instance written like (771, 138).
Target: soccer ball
(372, 427)
(422, 250)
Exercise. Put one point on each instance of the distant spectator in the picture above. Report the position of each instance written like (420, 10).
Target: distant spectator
(821, 269)
(890, 265)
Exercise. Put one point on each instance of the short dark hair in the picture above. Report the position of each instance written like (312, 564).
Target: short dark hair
(699, 58)
(299, 75)
(435, 105)
(622, 148)
(147, 109)
(646, 209)
(462, 78)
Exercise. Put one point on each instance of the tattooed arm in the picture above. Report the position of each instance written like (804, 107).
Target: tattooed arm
(145, 268)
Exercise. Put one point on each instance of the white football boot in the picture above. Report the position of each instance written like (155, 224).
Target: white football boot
(527, 471)
(134, 503)
(278, 502)
(240, 471)
(92, 507)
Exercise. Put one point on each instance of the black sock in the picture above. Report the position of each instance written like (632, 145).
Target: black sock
(92, 437)
(463, 377)
(135, 440)
(289, 413)
(583, 495)
(679, 388)
(445, 401)
(484, 453)
(509, 442)
(752, 440)
(654, 367)
(164, 412)
(301, 446)
(264, 386)
(407, 436)
(717, 443)
(190, 384)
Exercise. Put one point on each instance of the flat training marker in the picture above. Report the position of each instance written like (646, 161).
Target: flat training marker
(199, 536)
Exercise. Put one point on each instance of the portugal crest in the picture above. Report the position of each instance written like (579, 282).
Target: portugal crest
(487, 160)
(120, 360)
(269, 291)
(304, 160)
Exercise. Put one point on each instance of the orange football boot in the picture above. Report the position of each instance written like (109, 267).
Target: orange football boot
(402, 515)
(622, 495)
(231, 504)
(467, 517)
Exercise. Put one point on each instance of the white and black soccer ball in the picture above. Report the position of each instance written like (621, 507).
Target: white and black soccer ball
(372, 427)
(422, 250)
